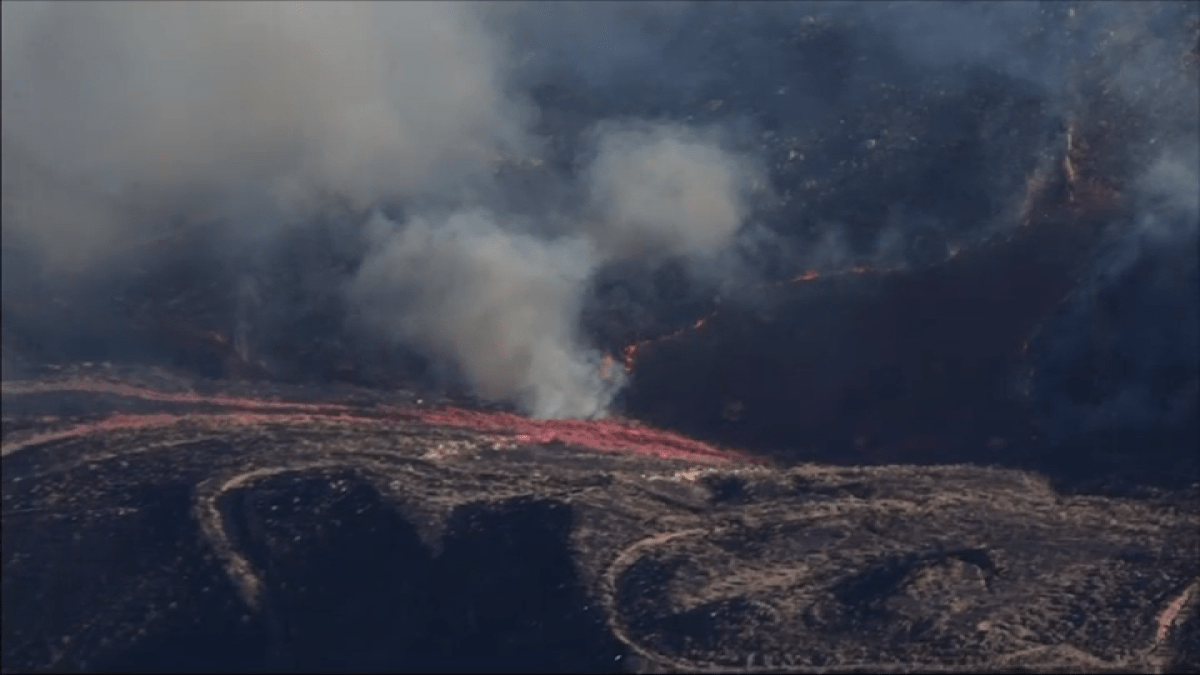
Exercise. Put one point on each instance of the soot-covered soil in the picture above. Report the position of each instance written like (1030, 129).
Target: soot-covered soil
(279, 533)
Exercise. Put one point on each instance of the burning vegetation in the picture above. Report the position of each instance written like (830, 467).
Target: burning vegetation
(333, 334)
(873, 259)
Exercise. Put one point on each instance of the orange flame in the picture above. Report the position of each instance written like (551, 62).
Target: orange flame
(630, 355)
(630, 352)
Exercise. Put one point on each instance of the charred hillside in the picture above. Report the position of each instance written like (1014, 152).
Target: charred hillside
(149, 528)
(600, 337)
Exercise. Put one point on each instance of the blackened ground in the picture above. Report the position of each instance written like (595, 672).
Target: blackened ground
(328, 546)
(351, 587)
(1117, 383)
(919, 365)
(348, 583)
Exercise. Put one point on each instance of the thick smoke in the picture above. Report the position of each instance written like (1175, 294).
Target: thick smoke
(120, 119)
(504, 304)
(666, 190)
(495, 160)
(245, 113)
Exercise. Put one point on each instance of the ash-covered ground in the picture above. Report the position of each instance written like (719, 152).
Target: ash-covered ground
(606, 288)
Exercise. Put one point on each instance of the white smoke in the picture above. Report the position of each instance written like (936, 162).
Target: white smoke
(504, 304)
(666, 190)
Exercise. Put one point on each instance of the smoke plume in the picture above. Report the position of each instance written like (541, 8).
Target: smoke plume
(480, 167)
(504, 304)
(500, 305)
(666, 190)
(121, 119)
(244, 114)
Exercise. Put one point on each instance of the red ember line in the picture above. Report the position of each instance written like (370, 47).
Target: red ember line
(133, 421)
(146, 394)
(601, 435)
(631, 351)
(598, 435)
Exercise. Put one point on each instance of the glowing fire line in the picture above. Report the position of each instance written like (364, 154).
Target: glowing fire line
(630, 352)
(605, 435)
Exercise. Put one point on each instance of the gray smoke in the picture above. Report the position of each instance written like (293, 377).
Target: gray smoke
(672, 123)
(504, 304)
(239, 112)
(667, 190)
(123, 118)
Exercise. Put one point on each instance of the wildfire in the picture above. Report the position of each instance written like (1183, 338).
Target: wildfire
(601, 435)
(630, 352)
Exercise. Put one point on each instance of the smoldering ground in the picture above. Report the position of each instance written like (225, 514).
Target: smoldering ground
(512, 191)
